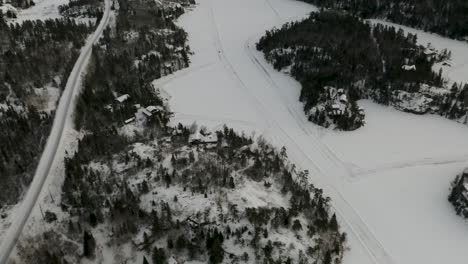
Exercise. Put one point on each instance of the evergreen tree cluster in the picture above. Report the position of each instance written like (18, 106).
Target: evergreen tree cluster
(357, 61)
(445, 17)
(128, 59)
(458, 196)
(93, 197)
(26, 62)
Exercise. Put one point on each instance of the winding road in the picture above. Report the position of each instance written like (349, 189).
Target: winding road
(62, 119)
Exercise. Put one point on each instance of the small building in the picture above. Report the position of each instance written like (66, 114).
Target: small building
(207, 138)
(122, 98)
(8, 10)
(146, 112)
(154, 109)
(130, 120)
(409, 67)
(430, 51)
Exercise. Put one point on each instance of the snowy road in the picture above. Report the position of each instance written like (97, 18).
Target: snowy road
(53, 146)
(230, 82)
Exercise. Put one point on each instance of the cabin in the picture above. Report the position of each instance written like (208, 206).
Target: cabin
(154, 109)
(130, 120)
(409, 67)
(122, 98)
(430, 51)
(335, 110)
(205, 138)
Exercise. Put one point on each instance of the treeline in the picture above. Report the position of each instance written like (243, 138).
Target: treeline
(27, 63)
(445, 17)
(82, 8)
(363, 61)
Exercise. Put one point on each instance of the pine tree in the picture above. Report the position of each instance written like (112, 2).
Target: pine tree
(89, 244)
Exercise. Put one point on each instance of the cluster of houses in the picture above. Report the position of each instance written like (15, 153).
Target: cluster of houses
(148, 111)
(339, 102)
(203, 137)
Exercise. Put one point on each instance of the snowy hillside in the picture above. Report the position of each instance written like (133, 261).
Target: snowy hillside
(406, 161)
(134, 186)
(223, 199)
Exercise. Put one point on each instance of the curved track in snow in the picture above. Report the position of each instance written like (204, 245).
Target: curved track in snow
(326, 168)
(62, 116)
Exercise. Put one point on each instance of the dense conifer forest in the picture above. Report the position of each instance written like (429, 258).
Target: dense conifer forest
(28, 75)
(445, 17)
(359, 61)
(144, 46)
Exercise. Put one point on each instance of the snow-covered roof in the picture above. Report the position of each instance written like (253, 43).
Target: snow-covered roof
(207, 138)
(211, 138)
(409, 67)
(430, 51)
(343, 98)
(146, 112)
(122, 98)
(153, 109)
(465, 185)
(130, 120)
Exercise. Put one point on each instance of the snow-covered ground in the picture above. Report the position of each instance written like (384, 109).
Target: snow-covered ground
(388, 181)
(42, 10)
(62, 135)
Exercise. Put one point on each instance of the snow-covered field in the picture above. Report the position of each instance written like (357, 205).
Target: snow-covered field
(43, 9)
(388, 181)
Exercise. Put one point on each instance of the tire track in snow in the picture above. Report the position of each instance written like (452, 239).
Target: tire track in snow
(348, 214)
(360, 173)
(298, 116)
(352, 220)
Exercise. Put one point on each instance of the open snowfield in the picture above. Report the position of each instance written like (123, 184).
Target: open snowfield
(42, 9)
(388, 181)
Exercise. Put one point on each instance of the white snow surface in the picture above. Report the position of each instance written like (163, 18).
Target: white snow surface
(388, 180)
(42, 10)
